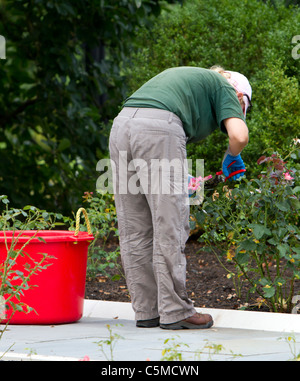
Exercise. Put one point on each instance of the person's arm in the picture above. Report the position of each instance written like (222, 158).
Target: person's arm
(238, 135)
(238, 138)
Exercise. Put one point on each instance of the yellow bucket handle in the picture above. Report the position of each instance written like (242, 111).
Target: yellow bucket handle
(86, 220)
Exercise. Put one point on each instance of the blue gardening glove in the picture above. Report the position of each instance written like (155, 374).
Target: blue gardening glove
(231, 164)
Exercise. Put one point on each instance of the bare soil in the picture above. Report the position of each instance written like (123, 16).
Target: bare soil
(208, 285)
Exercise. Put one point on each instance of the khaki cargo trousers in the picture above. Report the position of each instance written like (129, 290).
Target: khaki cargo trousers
(153, 210)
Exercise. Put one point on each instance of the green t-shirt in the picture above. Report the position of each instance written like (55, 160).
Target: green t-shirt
(201, 98)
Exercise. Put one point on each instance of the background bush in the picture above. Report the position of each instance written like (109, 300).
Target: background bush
(61, 83)
(252, 37)
(70, 64)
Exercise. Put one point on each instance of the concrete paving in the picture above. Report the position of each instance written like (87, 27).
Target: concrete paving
(235, 336)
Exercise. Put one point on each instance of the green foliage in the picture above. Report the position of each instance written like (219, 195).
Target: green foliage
(171, 351)
(292, 343)
(28, 218)
(256, 225)
(109, 344)
(103, 219)
(276, 113)
(56, 98)
(14, 281)
(240, 34)
(252, 37)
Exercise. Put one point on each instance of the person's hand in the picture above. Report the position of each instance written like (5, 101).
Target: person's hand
(232, 164)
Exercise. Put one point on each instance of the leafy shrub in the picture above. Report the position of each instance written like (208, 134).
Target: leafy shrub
(61, 83)
(255, 225)
(239, 34)
(252, 37)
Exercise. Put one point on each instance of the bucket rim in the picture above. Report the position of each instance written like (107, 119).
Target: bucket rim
(46, 235)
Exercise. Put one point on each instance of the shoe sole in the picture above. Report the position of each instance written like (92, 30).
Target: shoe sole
(186, 325)
(140, 325)
(148, 323)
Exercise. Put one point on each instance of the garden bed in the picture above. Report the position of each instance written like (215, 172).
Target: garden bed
(207, 284)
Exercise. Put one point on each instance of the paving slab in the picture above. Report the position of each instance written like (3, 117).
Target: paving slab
(235, 336)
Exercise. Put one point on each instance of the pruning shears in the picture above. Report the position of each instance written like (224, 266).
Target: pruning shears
(232, 173)
(214, 181)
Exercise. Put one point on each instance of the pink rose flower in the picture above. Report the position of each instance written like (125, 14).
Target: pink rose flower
(195, 182)
(287, 176)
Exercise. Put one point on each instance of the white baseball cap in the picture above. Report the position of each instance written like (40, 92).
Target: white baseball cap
(242, 85)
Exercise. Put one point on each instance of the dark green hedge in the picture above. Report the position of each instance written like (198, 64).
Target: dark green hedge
(252, 37)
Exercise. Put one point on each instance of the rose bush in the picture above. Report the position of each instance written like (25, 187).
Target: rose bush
(255, 224)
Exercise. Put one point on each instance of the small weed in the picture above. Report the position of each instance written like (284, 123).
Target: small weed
(109, 344)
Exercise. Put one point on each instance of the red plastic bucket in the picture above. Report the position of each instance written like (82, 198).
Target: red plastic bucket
(58, 292)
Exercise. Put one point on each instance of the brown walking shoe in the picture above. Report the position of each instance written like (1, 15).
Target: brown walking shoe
(197, 321)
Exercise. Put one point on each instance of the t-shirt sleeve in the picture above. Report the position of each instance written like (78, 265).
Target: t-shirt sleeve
(226, 105)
